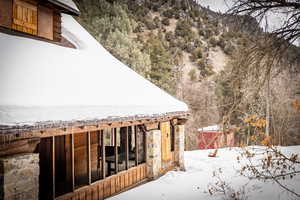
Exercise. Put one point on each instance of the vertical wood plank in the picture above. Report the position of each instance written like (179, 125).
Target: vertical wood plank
(95, 193)
(6, 10)
(117, 184)
(136, 146)
(126, 179)
(89, 157)
(113, 185)
(103, 154)
(72, 162)
(134, 176)
(88, 194)
(116, 149)
(130, 177)
(122, 182)
(82, 195)
(107, 188)
(139, 174)
(100, 191)
(53, 166)
(126, 149)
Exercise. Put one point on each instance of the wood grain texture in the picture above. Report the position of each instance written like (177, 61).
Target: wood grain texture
(45, 22)
(6, 13)
(24, 17)
(110, 186)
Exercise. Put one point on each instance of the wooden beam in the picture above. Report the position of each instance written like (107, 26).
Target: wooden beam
(73, 162)
(42, 133)
(103, 154)
(136, 146)
(151, 126)
(19, 146)
(89, 157)
(127, 149)
(53, 166)
(145, 145)
(181, 121)
(116, 149)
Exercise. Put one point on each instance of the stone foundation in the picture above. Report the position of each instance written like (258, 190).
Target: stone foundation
(179, 146)
(153, 153)
(19, 177)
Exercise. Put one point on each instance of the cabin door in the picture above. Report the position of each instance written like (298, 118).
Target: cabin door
(165, 145)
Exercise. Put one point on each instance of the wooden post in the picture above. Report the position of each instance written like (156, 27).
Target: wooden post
(53, 166)
(89, 156)
(136, 146)
(72, 164)
(103, 154)
(145, 145)
(116, 150)
(126, 149)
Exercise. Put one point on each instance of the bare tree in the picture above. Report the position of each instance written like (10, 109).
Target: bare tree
(289, 10)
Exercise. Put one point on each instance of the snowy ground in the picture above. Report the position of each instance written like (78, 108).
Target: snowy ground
(193, 183)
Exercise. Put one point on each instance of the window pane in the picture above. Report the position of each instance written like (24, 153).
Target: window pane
(96, 156)
(122, 138)
(131, 146)
(172, 137)
(109, 151)
(141, 142)
(45, 179)
(63, 165)
(81, 159)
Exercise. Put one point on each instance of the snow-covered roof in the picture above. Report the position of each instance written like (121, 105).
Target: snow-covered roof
(42, 82)
(213, 128)
(69, 4)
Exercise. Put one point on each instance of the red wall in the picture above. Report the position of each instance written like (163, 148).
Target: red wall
(214, 140)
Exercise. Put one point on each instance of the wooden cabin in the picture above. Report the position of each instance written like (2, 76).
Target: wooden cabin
(76, 123)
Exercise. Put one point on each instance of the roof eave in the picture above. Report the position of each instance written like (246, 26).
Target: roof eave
(67, 9)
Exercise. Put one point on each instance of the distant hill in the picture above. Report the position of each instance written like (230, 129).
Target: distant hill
(178, 45)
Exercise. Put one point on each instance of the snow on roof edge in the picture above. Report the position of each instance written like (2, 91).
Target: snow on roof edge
(73, 66)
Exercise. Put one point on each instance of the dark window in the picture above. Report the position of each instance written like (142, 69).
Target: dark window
(141, 144)
(131, 146)
(96, 156)
(63, 167)
(172, 137)
(81, 159)
(46, 173)
(110, 150)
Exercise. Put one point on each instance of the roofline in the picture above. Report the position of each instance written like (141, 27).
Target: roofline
(68, 9)
(39, 128)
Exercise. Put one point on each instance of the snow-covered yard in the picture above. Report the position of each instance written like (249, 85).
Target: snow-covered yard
(193, 183)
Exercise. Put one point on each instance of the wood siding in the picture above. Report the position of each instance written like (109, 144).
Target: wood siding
(45, 22)
(6, 13)
(57, 26)
(165, 141)
(109, 186)
(25, 17)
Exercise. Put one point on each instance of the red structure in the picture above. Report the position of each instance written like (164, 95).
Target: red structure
(213, 137)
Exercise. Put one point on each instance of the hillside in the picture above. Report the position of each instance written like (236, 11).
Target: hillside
(183, 48)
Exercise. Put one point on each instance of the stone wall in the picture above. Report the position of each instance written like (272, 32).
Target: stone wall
(19, 177)
(179, 146)
(153, 153)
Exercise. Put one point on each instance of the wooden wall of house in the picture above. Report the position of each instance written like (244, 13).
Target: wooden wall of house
(6, 13)
(57, 26)
(31, 17)
(109, 186)
(45, 22)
